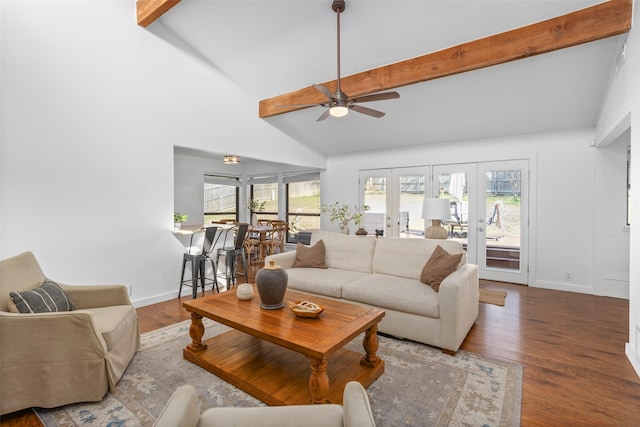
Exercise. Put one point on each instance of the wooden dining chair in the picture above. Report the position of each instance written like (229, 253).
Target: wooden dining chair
(252, 246)
(276, 238)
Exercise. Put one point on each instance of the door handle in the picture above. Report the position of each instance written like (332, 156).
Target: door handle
(480, 228)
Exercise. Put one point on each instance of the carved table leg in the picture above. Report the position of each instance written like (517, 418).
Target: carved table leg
(319, 384)
(370, 344)
(196, 331)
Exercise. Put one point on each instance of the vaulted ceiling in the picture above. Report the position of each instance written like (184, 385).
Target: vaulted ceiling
(275, 50)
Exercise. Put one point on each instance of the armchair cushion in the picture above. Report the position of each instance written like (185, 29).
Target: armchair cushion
(47, 298)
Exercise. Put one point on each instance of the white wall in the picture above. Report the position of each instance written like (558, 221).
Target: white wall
(621, 111)
(92, 106)
(563, 210)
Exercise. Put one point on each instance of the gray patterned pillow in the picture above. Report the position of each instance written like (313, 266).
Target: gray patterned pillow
(46, 298)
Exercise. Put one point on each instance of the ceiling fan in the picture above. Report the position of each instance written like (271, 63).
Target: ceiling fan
(339, 103)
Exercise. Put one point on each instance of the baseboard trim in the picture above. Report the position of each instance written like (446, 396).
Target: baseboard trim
(155, 299)
(634, 358)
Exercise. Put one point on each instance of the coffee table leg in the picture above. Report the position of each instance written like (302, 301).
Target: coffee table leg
(319, 384)
(370, 344)
(196, 331)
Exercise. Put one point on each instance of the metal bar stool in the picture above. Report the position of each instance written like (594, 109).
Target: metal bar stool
(231, 254)
(197, 256)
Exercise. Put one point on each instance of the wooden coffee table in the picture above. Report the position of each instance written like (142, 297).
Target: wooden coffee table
(282, 359)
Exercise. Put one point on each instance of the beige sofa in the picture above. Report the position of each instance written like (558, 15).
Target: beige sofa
(385, 273)
(182, 411)
(52, 359)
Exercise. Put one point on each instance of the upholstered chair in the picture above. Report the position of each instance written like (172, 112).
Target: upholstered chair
(183, 410)
(50, 359)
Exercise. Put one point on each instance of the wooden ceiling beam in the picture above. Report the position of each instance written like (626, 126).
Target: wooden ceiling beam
(148, 11)
(597, 22)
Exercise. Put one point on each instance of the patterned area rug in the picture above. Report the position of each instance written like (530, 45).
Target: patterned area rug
(421, 386)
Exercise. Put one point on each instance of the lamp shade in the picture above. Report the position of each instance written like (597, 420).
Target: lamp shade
(434, 208)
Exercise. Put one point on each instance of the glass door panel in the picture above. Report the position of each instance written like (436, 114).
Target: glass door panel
(502, 230)
(411, 195)
(457, 183)
(374, 184)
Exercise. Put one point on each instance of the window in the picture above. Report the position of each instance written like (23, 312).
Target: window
(221, 198)
(303, 204)
(265, 189)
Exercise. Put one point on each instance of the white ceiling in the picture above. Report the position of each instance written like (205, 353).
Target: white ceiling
(272, 47)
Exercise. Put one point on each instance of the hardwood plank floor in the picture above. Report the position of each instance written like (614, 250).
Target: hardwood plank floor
(571, 346)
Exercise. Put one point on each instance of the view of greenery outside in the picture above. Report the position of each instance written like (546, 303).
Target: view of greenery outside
(303, 205)
(266, 193)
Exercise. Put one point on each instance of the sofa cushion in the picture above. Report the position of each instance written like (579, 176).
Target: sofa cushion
(47, 298)
(310, 257)
(393, 293)
(440, 265)
(322, 282)
(345, 252)
(406, 257)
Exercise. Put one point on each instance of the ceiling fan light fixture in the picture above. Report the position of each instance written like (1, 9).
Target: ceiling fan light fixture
(231, 160)
(338, 111)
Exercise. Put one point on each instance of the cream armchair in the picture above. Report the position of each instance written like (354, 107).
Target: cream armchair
(53, 359)
(182, 411)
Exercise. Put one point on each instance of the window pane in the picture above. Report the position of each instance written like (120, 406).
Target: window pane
(303, 201)
(266, 193)
(220, 202)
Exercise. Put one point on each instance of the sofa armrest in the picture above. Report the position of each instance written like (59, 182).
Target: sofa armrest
(459, 302)
(284, 260)
(93, 296)
(181, 410)
(357, 410)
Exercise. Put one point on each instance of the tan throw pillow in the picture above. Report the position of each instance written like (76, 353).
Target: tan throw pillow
(310, 257)
(440, 265)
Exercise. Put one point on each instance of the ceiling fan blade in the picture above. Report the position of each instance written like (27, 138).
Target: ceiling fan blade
(323, 116)
(367, 111)
(325, 91)
(319, 104)
(377, 97)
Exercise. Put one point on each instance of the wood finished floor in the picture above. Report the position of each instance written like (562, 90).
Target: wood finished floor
(571, 346)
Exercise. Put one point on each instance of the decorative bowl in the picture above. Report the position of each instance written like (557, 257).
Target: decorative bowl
(305, 309)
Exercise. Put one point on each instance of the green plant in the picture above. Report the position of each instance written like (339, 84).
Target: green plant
(178, 217)
(256, 205)
(343, 213)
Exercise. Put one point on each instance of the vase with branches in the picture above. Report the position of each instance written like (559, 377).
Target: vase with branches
(343, 214)
(255, 206)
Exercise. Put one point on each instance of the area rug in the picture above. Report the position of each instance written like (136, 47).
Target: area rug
(492, 297)
(421, 386)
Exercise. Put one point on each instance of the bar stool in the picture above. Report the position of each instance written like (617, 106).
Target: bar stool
(197, 256)
(231, 254)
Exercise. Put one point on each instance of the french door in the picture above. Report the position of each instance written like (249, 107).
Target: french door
(489, 205)
(489, 215)
(394, 197)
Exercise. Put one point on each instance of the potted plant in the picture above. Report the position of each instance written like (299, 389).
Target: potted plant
(178, 219)
(343, 214)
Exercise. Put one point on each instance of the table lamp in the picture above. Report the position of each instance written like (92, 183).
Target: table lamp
(436, 210)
